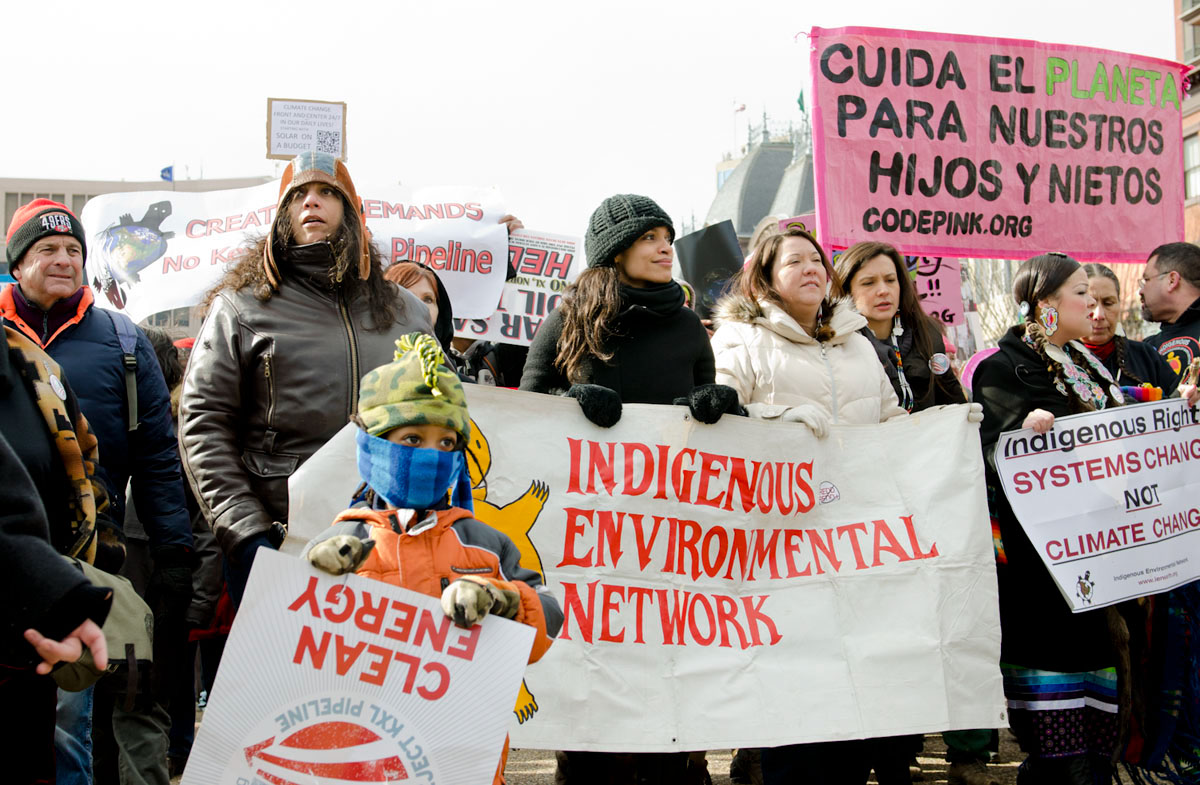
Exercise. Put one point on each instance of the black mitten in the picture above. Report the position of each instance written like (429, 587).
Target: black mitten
(709, 401)
(600, 405)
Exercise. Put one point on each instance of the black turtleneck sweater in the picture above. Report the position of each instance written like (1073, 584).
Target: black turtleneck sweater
(660, 350)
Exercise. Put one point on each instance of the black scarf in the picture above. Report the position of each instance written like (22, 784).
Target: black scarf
(664, 299)
(313, 263)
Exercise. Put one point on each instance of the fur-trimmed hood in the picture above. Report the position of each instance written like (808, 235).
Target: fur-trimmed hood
(738, 308)
(775, 365)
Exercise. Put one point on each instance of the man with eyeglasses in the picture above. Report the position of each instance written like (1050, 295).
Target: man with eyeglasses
(1170, 293)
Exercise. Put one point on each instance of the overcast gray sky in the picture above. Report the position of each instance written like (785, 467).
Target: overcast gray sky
(558, 104)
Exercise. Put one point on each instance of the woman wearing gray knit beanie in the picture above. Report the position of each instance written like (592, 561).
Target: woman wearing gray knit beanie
(623, 334)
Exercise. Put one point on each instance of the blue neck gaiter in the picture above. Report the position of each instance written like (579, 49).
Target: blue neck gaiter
(413, 478)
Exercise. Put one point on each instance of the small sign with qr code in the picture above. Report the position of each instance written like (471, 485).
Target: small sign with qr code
(296, 126)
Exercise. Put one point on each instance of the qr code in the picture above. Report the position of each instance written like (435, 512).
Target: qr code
(329, 142)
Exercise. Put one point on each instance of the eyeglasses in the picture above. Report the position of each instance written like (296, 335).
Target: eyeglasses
(1143, 280)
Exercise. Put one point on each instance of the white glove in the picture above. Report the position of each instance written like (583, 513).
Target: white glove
(815, 418)
(974, 412)
(340, 554)
(467, 600)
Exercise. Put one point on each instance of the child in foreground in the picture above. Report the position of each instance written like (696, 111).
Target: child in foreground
(416, 528)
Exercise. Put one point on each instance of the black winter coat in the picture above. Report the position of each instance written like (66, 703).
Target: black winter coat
(41, 588)
(270, 382)
(946, 389)
(89, 351)
(1134, 362)
(1179, 341)
(660, 353)
(1038, 629)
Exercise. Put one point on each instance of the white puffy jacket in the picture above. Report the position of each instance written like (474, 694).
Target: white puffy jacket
(774, 365)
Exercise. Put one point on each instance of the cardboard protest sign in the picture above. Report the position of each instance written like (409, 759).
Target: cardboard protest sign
(938, 282)
(800, 589)
(345, 678)
(295, 127)
(807, 222)
(964, 146)
(151, 251)
(708, 258)
(545, 264)
(1110, 499)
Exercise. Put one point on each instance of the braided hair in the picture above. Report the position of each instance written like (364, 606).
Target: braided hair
(1037, 279)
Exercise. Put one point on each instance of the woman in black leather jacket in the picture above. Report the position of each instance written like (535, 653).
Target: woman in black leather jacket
(290, 329)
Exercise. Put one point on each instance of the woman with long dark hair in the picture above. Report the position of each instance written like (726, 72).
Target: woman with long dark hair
(907, 340)
(290, 329)
(1060, 668)
(909, 343)
(623, 334)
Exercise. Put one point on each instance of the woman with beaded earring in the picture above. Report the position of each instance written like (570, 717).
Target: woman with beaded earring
(906, 339)
(1059, 668)
(1131, 363)
(909, 345)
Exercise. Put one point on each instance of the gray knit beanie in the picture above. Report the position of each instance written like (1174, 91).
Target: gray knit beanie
(617, 222)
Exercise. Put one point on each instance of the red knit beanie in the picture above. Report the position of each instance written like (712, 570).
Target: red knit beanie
(34, 221)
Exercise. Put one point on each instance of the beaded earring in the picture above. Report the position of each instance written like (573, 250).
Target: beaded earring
(1049, 320)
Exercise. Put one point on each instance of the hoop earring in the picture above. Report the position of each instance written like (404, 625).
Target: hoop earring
(1049, 320)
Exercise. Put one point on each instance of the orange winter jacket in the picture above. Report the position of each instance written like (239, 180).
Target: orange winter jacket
(430, 554)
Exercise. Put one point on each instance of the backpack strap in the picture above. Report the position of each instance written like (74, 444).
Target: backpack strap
(127, 335)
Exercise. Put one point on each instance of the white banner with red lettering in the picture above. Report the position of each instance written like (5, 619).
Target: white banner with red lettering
(350, 679)
(736, 584)
(1110, 500)
(545, 264)
(151, 251)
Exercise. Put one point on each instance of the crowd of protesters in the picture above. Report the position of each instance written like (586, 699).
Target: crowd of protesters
(301, 336)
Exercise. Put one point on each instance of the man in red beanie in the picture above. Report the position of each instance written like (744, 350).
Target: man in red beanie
(113, 370)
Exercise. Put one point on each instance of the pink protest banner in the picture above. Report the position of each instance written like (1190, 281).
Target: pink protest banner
(953, 145)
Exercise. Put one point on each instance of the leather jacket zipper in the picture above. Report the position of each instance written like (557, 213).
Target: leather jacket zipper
(270, 390)
(354, 374)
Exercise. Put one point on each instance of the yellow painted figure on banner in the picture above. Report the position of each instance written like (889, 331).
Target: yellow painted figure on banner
(515, 519)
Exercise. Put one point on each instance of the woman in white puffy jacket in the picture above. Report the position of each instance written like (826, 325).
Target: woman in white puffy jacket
(790, 345)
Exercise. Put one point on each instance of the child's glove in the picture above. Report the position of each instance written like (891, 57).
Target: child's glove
(599, 404)
(340, 554)
(467, 600)
(708, 402)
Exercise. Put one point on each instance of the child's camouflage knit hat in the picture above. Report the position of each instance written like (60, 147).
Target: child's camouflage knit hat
(417, 388)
